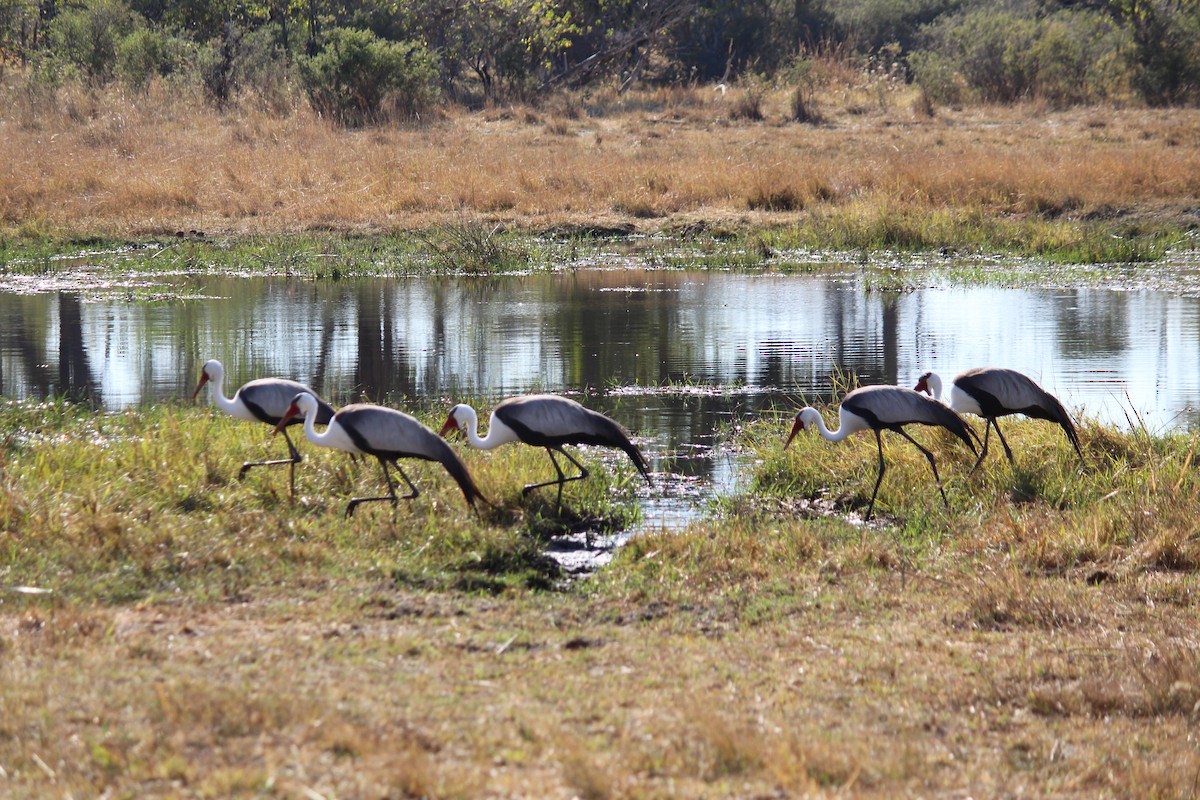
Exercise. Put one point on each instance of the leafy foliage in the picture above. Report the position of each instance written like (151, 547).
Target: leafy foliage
(359, 78)
(368, 61)
(998, 55)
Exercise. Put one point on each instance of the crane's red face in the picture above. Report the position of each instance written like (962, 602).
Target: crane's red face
(203, 380)
(923, 385)
(797, 426)
(292, 411)
(451, 425)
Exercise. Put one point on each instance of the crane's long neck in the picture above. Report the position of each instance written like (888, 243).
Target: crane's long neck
(841, 433)
(217, 391)
(935, 387)
(498, 433)
(319, 438)
(848, 423)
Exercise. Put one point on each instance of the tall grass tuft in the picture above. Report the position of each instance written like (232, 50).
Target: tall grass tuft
(1129, 505)
(474, 247)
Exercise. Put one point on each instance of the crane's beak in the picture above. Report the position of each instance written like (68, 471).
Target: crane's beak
(450, 426)
(292, 411)
(797, 426)
(923, 386)
(200, 385)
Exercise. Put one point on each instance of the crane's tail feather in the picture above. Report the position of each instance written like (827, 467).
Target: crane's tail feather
(1053, 411)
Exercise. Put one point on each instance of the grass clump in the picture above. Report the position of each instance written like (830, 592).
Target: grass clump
(145, 503)
(1130, 504)
(474, 248)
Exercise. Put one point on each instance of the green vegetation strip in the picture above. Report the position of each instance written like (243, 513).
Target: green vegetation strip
(474, 248)
(146, 504)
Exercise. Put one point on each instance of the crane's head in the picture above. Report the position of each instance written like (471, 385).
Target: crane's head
(211, 371)
(457, 420)
(299, 407)
(805, 419)
(929, 384)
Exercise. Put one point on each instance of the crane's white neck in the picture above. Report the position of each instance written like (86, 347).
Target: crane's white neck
(468, 422)
(308, 405)
(811, 418)
(214, 375)
(930, 382)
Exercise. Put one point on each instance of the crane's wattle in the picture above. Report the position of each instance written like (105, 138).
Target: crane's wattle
(292, 411)
(797, 426)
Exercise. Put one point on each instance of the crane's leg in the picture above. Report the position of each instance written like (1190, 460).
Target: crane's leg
(561, 479)
(391, 495)
(932, 465)
(987, 431)
(879, 479)
(412, 489)
(1007, 452)
(292, 461)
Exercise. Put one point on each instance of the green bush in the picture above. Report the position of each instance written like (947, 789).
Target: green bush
(359, 79)
(872, 24)
(85, 39)
(267, 70)
(1166, 53)
(146, 54)
(938, 76)
(1072, 56)
(1076, 58)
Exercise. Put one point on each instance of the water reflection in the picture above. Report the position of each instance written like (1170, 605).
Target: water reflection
(767, 340)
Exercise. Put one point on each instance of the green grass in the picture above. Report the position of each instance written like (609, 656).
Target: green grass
(472, 246)
(1129, 505)
(145, 504)
(206, 637)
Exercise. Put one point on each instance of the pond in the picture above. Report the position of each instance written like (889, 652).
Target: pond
(676, 356)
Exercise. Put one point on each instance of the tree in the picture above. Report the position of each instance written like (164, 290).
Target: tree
(18, 30)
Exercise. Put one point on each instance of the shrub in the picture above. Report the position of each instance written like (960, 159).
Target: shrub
(218, 65)
(938, 77)
(145, 54)
(876, 23)
(86, 39)
(265, 69)
(1072, 56)
(1166, 53)
(359, 78)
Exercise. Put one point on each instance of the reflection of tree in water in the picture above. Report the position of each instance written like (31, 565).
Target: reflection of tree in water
(75, 380)
(1091, 322)
(325, 346)
(25, 337)
(23, 343)
(859, 350)
(383, 368)
(615, 336)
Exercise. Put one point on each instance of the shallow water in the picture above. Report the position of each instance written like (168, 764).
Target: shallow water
(674, 355)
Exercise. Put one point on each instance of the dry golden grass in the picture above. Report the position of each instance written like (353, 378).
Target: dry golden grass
(860, 684)
(106, 164)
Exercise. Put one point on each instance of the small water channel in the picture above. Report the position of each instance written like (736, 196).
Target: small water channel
(676, 356)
